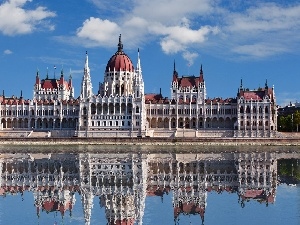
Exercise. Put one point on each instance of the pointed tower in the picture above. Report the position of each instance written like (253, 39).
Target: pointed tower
(37, 85)
(201, 88)
(70, 84)
(86, 84)
(174, 84)
(139, 99)
(139, 83)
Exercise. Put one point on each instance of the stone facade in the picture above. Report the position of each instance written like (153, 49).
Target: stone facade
(120, 108)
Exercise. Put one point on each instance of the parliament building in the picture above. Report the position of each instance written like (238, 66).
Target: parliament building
(119, 107)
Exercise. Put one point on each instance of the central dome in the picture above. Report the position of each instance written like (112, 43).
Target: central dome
(119, 61)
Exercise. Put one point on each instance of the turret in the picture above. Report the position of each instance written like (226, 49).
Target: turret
(201, 87)
(139, 84)
(37, 77)
(86, 85)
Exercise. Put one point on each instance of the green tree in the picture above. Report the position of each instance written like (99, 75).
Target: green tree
(296, 119)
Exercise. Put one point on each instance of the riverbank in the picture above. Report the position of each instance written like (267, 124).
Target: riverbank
(154, 141)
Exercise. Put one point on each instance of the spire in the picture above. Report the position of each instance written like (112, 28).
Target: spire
(120, 45)
(138, 66)
(47, 74)
(70, 76)
(3, 93)
(241, 86)
(86, 65)
(201, 74)
(37, 77)
(174, 66)
(266, 84)
(175, 74)
(21, 94)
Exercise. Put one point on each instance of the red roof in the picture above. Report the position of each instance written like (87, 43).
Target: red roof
(129, 221)
(255, 94)
(190, 81)
(189, 208)
(119, 61)
(54, 84)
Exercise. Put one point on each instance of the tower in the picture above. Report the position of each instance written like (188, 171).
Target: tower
(201, 88)
(118, 75)
(139, 97)
(86, 84)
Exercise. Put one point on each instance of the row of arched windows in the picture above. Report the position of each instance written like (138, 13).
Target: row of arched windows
(254, 110)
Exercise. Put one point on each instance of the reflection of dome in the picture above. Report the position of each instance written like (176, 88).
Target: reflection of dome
(119, 61)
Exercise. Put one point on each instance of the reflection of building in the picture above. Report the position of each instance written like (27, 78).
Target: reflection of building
(257, 176)
(53, 179)
(118, 180)
(121, 108)
(122, 181)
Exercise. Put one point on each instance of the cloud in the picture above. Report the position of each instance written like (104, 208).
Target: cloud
(190, 57)
(98, 31)
(263, 30)
(258, 50)
(167, 23)
(15, 19)
(7, 52)
(179, 38)
(248, 29)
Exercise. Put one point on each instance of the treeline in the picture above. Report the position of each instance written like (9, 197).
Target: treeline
(289, 123)
(289, 168)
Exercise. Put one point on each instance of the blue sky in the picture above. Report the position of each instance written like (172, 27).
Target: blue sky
(251, 39)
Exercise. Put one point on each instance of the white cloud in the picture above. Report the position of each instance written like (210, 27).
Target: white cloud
(98, 31)
(237, 30)
(263, 30)
(258, 50)
(179, 38)
(14, 19)
(7, 52)
(190, 57)
(171, 12)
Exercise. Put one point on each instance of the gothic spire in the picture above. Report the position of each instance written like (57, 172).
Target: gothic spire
(86, 65)
(201, 74)
(266, 84)
(138, 66)
(174, 66)
(120, 45)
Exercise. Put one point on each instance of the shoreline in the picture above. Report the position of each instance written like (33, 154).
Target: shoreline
(153, 141)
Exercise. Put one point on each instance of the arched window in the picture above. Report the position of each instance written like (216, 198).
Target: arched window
(266, 109)
(137, 110)
(248, 109)
(242, 109)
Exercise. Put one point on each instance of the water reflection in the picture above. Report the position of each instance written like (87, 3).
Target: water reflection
(123, 181)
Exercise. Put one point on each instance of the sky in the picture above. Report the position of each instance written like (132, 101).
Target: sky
(252, 40)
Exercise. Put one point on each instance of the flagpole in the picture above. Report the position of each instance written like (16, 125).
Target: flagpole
(54, 70)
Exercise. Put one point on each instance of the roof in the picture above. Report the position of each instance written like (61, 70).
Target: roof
(189, 81)
(119, 61)
(255, 94)
(54, 84)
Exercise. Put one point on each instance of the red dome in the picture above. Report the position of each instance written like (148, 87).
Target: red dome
(119, 61)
